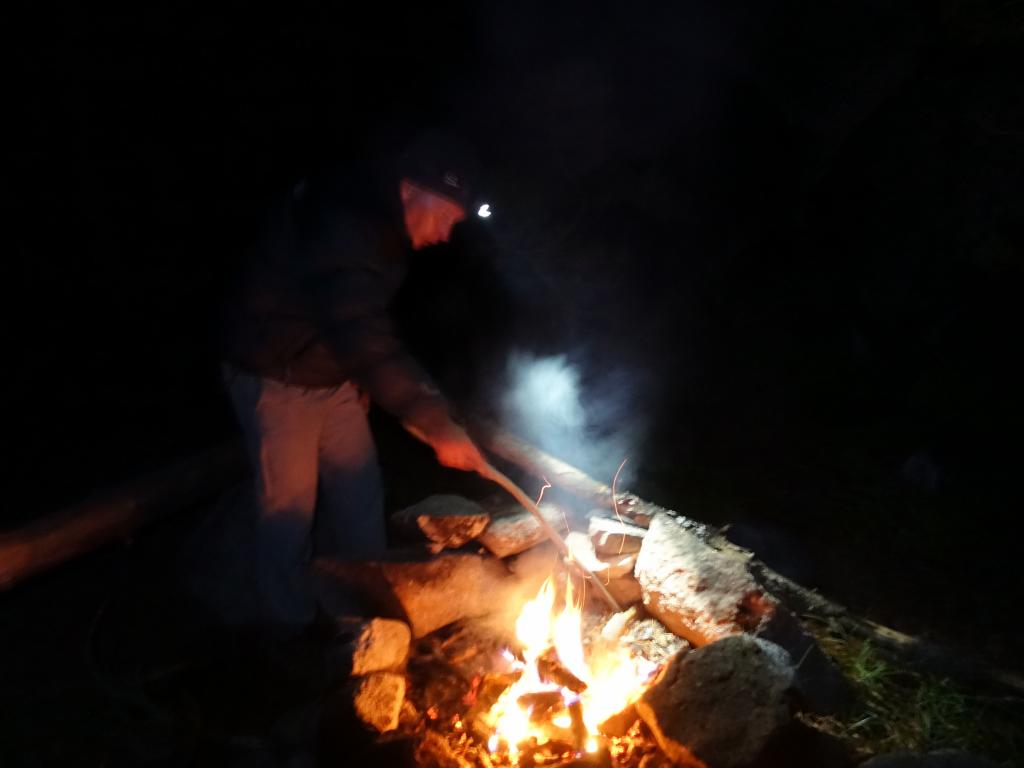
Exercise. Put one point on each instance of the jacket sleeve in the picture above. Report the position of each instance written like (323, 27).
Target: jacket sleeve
(351, 295)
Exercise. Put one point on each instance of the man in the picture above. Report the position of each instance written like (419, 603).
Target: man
(309, 338)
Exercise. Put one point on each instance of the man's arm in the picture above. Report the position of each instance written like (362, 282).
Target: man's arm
(350, 302)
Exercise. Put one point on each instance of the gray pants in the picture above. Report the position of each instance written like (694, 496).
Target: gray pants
(317, 485)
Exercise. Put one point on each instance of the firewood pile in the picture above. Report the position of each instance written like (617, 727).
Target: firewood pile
(486, 650)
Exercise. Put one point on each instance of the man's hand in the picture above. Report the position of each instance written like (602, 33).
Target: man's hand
(455, 449)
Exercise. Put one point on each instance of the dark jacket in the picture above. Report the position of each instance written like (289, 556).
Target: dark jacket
(311, 307)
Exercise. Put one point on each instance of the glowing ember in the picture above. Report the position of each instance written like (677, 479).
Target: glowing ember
(613, 677)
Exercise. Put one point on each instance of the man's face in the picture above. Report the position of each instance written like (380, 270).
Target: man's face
(429, 217)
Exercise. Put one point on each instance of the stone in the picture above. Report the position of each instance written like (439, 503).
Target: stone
(721, 705)
(375, 645)
(513, 529)
(377, 699)
(611, 537)
(943, 758)
(614, 567)
(696, 591)
(434, 751)
(448, 521)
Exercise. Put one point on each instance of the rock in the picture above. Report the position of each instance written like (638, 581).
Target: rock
(427, 593)
(611, 537)
(614, 567)
(696, 591)
(375, 645)
(377, 699)
(943, 758)
(447, 521)
(514, 529)
(721, 705)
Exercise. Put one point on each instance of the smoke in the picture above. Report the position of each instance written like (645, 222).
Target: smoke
(591, 421)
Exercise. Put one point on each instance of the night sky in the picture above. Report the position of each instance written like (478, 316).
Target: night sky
(784, 241)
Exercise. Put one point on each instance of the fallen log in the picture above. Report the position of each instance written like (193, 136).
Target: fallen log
(64, 535)
(909, 650)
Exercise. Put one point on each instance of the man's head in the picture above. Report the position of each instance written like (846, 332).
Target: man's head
(429, 217)
(434, 172)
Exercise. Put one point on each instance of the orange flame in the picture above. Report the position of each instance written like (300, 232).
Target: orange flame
(614, 677)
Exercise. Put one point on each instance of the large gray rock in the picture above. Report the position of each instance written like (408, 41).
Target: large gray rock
(723, 705)
(943, 758)
(695, 590)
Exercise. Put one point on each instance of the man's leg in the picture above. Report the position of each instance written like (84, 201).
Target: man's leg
(282, 427)
(350, 512)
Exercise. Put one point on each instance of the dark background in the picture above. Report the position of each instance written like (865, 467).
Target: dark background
(789, 235)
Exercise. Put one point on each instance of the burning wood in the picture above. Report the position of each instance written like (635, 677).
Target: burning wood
(577, 693)
(552, 670)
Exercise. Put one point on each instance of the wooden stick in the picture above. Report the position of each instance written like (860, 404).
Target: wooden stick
(517, 493)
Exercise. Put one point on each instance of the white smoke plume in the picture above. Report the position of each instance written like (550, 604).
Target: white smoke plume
(591, 422)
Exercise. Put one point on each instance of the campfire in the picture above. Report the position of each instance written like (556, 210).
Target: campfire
(501, 650)
(562, 694)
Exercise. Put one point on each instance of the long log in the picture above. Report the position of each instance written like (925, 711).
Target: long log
(74, 531)
(909, 650)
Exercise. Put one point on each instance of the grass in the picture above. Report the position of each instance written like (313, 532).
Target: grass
(901, 709)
